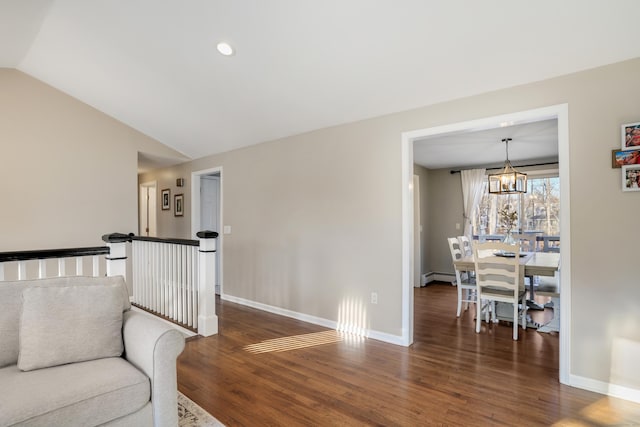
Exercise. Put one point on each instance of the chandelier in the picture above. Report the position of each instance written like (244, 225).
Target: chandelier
(508, 180)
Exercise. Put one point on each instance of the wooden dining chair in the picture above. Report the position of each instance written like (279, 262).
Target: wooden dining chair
(465, 245)
(499, 279)
(550, 287)
(528, 242)
(464, 282)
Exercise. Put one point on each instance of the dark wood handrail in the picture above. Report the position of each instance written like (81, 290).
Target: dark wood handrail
(53, 253)
(119, 237)
(186, 242)
(96, 250)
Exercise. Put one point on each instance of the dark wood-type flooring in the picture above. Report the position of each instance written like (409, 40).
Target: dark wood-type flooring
(450, 375)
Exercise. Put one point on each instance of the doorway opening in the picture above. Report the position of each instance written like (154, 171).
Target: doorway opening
(558, 112)
(206, 212)
(147, 225)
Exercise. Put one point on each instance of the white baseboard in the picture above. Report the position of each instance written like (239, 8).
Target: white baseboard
(602, 387)
(441, 277)
(368, 333)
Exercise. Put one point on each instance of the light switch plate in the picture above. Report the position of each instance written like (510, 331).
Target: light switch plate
(226, 229)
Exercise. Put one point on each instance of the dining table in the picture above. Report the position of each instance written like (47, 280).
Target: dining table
(534, 263)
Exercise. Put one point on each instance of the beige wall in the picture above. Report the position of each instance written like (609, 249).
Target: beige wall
(445, 211)
(317, 217)
(423, 174)
(311, 223)
(68, 172)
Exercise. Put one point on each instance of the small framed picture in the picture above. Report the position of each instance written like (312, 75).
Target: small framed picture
(620, 158)
(166, 199)
(631, 136)
(631, 178)
(178, 205)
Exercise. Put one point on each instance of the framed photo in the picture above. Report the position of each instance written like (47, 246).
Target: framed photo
(178, 205)
(631, 136)
(166, 199)
(631, 178)
(620, 158)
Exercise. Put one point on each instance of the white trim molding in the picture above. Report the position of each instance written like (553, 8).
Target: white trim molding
(195, 214)
(367, 333)
(559, 112)
(605, 388)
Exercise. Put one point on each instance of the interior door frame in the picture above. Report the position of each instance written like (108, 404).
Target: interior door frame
(559, 112)
(195, 214)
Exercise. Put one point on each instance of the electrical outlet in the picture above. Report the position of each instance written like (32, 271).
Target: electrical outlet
(457, 226)
(374, 297)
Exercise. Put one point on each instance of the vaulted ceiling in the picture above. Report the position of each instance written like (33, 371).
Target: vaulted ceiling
(299, 65)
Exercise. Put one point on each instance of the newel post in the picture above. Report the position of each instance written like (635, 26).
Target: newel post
(117, 258)
(207, 318)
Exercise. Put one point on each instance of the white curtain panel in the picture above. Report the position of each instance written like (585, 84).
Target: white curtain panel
(472, 184)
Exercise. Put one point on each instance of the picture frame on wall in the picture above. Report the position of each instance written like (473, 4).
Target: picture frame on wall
(631, 178)
(620, 158)
(630, 138)
(178, 205)
(166, 199)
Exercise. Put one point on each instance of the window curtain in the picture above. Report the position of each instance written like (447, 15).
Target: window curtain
(472, 185)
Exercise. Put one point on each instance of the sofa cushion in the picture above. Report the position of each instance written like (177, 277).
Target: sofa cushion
(69, 324)
(11, 307)
(78, 394)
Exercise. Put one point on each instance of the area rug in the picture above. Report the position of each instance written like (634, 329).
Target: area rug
(191, 415)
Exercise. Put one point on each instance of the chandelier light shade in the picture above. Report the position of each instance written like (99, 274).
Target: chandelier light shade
(508, 180)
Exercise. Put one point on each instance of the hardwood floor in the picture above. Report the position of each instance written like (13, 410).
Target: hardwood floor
(450, 376)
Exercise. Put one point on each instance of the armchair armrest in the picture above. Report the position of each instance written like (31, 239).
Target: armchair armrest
(153, 346)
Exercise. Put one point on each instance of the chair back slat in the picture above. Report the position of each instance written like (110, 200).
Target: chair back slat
(497, 271)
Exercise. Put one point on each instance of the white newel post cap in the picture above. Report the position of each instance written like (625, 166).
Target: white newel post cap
(117, 258)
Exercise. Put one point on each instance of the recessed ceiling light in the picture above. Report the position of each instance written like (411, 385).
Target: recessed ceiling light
(225, 49)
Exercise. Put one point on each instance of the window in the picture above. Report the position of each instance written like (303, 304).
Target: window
(538, 209)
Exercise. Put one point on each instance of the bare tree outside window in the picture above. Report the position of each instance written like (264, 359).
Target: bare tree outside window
(538, 209)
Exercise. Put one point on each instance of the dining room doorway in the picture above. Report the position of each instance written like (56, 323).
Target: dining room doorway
(558, 112)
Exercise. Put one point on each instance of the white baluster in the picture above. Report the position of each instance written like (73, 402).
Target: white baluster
(189, 283)
(22, 270)
(179, 283)
(183, 283)
(176, 283)
(156, 277)
(79, 266)
(42, 268)
(196, 283)
(147, 272)
(1, 271)
(160, 280)
(152, 287)
(61, 267)
(134, 274)
(96, 265)
(167, 280)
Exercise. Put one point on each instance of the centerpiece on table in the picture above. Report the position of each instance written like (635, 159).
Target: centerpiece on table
(509, 218)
